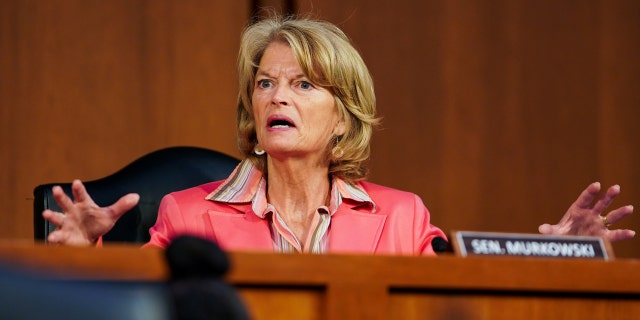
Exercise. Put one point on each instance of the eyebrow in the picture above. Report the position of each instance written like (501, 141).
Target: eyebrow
(264, 73)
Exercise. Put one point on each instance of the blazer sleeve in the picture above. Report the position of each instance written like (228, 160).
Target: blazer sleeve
(163, 231)
(424, 232)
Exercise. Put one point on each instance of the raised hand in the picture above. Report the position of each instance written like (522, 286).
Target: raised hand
(585, 216)
(81, 221)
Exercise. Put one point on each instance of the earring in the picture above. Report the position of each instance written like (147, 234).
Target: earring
(258, 151)
(337, 152)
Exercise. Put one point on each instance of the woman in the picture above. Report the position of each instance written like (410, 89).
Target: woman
(306, 110)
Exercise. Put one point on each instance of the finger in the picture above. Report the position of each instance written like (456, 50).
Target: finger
(124, 204)
(586, 197)
(545, 228)
(620, 234)
(61, 198)
(618, 214)
(57, 218)
(79, 191)
(606, 199)
(57, 236)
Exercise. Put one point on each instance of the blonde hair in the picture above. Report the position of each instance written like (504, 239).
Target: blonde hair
(328, 59)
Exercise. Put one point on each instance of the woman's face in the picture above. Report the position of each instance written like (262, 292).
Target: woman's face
(294, 117)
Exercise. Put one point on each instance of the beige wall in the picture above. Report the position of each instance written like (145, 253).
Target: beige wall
(497, 113)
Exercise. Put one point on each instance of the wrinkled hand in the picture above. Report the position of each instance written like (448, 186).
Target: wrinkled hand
(81, 221)
(585, 217)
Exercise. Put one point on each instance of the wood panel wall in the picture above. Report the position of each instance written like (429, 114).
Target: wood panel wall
(90, 85)
(497, 113)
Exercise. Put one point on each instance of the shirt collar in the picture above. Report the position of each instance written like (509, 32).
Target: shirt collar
(240, 187)
(247, 184)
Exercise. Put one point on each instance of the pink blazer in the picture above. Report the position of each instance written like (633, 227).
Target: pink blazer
(399, 225)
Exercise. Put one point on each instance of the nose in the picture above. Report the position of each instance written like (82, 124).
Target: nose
(281, 95)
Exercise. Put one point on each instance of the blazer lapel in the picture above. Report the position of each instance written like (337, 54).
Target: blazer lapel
(240, 231)
(355, 232)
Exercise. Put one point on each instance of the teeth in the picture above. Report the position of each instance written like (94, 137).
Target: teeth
(280, 126)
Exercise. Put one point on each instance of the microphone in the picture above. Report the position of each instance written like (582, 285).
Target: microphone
(195, 284)
(439, 244)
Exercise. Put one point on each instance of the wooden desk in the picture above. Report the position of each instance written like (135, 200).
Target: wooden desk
(278, 286)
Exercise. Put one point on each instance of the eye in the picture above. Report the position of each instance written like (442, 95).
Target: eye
(305, 85)
(264, 83)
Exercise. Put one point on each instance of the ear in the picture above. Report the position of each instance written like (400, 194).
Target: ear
(340, 128)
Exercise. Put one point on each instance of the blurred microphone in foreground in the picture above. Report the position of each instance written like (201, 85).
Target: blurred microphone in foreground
(196, 285)
(440, 245)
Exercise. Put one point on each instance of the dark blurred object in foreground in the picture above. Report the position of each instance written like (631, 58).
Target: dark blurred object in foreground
(35, 297)
(196, 286)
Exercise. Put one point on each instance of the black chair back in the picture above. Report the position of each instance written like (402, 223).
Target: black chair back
(152, 176)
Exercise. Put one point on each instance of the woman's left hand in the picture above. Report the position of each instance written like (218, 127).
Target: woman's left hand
(585, 217)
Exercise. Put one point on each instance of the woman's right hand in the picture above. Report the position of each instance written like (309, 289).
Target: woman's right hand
(81, 221)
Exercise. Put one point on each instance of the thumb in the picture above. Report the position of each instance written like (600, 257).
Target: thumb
(124, 204)
(545, 228)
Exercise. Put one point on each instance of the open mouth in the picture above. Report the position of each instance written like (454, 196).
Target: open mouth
(280, 123)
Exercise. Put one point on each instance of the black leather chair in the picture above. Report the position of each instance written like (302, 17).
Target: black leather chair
(152, 176)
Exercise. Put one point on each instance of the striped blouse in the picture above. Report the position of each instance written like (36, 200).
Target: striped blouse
(247, 184)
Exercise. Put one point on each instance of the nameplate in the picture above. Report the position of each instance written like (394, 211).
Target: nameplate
(467, 243)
